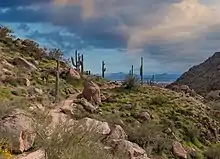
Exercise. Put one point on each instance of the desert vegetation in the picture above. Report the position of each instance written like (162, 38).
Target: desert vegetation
(52, 107)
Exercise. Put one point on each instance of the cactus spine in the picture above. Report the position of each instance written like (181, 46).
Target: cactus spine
(103, 69)
(78, 62)
(141, 70)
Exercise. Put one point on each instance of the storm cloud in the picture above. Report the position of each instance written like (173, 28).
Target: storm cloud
(181, 32)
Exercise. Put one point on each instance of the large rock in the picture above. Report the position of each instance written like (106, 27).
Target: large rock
(24, 63)
(91, 92)
(117, 133)
(182, 88)
(18, 128)
(93, 125)
(73, 73)
(178, 150)
(129, 150)
(39, 154)
(88, 106)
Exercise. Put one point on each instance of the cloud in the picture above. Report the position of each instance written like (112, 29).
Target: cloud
(168, 32)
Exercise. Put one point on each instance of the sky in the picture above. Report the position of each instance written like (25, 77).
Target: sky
(171, 35)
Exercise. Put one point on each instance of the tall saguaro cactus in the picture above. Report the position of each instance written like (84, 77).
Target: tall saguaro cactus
(58, 56)
(78, 62)
(141, 70)
(103, 69)
(132, 70)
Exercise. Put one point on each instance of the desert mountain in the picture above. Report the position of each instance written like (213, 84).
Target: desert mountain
(203, 78)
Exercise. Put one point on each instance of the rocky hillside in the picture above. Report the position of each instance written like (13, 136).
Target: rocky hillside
(94, 118)
(204, 77)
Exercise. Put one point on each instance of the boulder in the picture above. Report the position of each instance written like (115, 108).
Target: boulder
(117, 133)
(88, 106)
(129, 150)
(145, 116)
(93, 125)
(18, 128)
(39, 154)
(24, 63)
(91, 92)
(178, 150)
(73, 73)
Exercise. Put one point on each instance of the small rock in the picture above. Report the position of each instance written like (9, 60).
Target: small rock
(7, 72)
(24, 63)
(88, 106)
(145, 116)
(38, 91)
(24, 81)
(178, 150)
(7, 65)
(127, 107)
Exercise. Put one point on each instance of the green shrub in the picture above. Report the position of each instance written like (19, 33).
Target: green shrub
(213, 152)
(131, 82)
(158, 100)
(72, 143)
(5, 93)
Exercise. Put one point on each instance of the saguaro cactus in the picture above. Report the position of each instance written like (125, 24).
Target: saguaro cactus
(141, 70)
(103, 69)
(58, 56)
(78, 62)
(132, 70)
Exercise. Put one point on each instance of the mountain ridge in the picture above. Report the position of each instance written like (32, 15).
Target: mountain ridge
(204, 77)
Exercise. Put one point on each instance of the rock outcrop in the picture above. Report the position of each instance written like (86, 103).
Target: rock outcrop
(73, 73)
(91, 92)
(21, 62)
(178, 150)
(18, 127)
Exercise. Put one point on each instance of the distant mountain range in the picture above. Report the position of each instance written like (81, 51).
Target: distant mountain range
(166, 77)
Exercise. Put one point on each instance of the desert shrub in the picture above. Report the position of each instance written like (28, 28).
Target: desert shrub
(149, 136)
(70, 142)
(5, 93)
(158, 100)
(192, 132)
(5, 152)
(213, 152)
(130, 82)
(19, 92)
(8, 106)
(195, 155)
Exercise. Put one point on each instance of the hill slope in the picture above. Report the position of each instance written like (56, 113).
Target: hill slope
(152, 117)
(204, 77)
